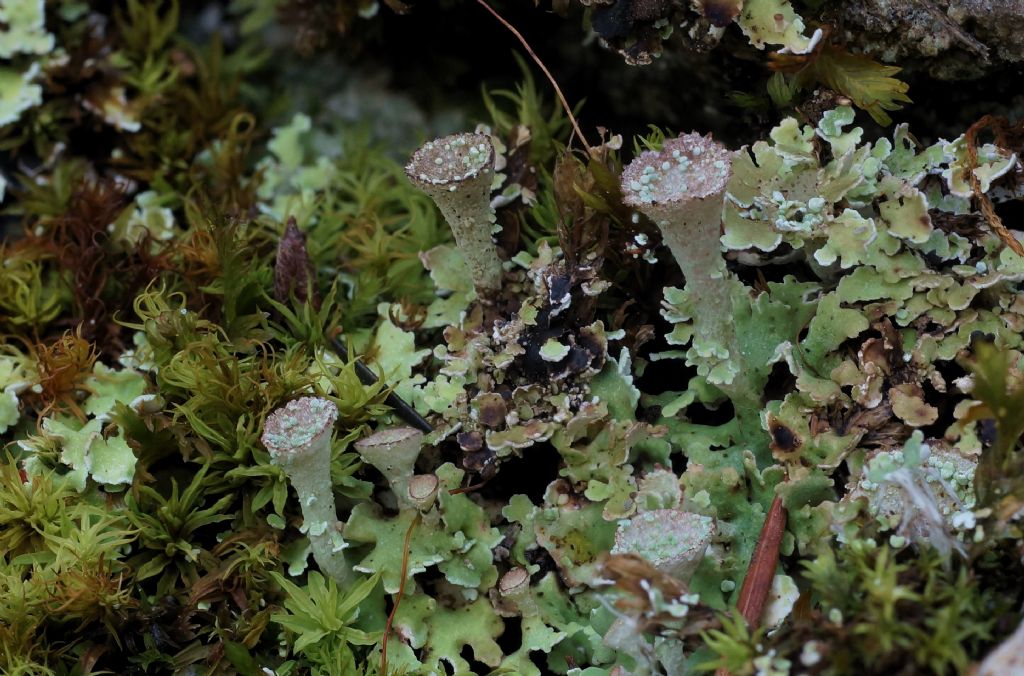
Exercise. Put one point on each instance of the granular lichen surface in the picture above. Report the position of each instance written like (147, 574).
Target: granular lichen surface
(299, 422)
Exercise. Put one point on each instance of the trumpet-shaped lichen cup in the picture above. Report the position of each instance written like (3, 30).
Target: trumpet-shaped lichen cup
(393, 452)
(682, 188)
(457, 172)
(298, 436)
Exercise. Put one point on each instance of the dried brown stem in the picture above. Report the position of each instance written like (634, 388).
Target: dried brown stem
(547, 73)
(765, 559)
(999, 125)
(758, 582)
(398, 596)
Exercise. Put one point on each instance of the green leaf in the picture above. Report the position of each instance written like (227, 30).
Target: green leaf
(319, 612)
(866, 82)
(773, 22)
(8, 410)
(113, 461)
(474, 625)
(1002, 402)
(395, 356)
(614, 386)
(357, 595)
(780, 90)
(240, 659)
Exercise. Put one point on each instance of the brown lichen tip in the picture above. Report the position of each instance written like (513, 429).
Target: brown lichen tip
(298, 426)
(515, 580)
(688, 167)
(514, 587)
(449, 161)
(422, 490)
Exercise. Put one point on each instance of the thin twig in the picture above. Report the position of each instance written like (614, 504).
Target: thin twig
(987, 208)
(399, 405)
(547, 73)
(758, 582)
(959, 34)
(467, 489)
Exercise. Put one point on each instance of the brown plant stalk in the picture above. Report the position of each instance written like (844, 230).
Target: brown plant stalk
(547, 74)
(1002, 129)
(758, 581)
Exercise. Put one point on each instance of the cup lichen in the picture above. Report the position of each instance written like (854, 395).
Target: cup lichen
(298, 436)
(682, 188)
(805, 458)
(672, 540)
(393, 452)
(457, 172)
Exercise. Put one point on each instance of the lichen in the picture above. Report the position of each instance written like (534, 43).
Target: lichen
(22, 41)
(457, 172)
(280, 392)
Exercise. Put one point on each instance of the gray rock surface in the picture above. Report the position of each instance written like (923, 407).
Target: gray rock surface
(948, 39)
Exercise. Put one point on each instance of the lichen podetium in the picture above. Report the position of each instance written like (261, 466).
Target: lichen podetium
(298, 436)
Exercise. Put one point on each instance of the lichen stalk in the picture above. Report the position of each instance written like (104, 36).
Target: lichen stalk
(682, 189)
(298, 437)
(456, 172)
(393, 452)
(514, 587)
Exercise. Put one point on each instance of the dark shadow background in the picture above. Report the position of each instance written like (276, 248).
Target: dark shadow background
(442, 53)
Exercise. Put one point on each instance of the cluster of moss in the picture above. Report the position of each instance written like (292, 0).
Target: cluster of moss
(274, 401)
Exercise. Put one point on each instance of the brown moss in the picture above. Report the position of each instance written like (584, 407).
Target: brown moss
(62, 368)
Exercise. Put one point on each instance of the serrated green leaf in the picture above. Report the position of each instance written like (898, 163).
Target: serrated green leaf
(866, 82)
